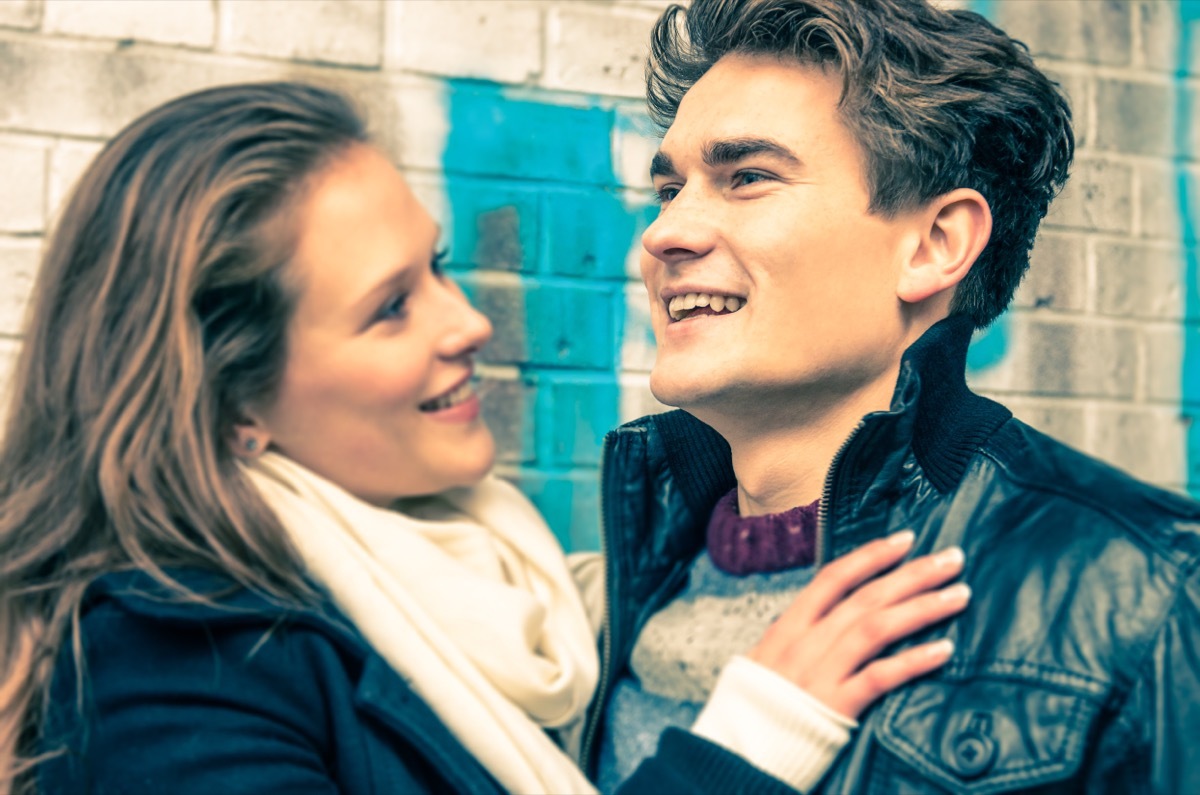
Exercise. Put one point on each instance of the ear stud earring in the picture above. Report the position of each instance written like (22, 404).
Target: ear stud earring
(251, 445)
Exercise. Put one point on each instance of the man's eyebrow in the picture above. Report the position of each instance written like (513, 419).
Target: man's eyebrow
(661, 166)
(731, 150)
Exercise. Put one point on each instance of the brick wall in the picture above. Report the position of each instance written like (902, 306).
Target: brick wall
(520, 124)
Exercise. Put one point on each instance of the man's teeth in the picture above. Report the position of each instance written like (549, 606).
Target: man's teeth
(681, 305)
(462, 393)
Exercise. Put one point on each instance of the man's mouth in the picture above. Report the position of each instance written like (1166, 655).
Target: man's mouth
(683, 307)
(460, 394)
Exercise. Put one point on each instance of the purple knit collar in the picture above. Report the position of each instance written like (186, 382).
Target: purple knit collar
(761, 544)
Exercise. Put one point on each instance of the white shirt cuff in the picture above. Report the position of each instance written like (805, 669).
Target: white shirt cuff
(773, 724)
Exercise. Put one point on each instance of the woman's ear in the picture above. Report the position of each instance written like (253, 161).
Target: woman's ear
(955, 229)
(250, 439)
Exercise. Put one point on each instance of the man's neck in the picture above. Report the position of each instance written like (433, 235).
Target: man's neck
(784, 464)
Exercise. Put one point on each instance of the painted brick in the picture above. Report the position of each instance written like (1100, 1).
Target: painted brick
(1063, 420)
(1097, 197)
(570, 502)
(1161, 191)
(20, 13)
(1143, 441)
(637, 339)
(422, 128)
(1095, 31)
(1139, 280)
(71, 88)
(575, 324)
(635, 141)
(592, 232)
(1057, 275)
(573, 419)
(1047, 357)
(22, 185)
(491, 40)
(1189, 366)
(494, 225)
(188, 22)
(508, 410)
(1163, 363)
(505, 132)
(18, 266)
(597, 50)
(327, 31)
(68, 160)
(1135, 117)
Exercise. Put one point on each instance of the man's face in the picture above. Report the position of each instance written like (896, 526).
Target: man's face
(765, 206)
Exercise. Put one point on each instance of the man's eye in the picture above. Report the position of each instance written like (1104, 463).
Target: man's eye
(393, 308)
(749, 178)
(666, 193)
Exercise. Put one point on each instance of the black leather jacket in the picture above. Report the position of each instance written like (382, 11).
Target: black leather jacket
(1077, 663)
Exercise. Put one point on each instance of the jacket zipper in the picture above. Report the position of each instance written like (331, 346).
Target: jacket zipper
(827, 496)
(598, 700)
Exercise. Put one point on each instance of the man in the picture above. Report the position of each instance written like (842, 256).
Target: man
(849, 189)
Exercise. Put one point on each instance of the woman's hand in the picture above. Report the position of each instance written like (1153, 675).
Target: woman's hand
(828, 640)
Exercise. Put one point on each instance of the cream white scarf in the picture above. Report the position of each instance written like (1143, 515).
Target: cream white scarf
(468, 597)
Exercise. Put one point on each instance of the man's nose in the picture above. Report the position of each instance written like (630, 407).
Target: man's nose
(683, 230)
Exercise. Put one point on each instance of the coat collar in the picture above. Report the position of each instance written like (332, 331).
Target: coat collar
(932, 413)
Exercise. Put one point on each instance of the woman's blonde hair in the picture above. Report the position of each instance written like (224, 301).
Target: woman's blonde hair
(159, 315)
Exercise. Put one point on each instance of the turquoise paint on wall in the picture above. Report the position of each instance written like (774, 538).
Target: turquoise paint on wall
(532, 189)
(1189, 17)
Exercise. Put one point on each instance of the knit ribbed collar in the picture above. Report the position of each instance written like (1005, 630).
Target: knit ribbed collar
(772, 542)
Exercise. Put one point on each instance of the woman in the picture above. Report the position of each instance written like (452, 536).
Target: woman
(247, 537)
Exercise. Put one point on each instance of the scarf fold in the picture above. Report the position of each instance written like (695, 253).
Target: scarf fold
(467, 596)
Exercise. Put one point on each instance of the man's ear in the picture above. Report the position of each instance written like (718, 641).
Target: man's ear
(955, 227)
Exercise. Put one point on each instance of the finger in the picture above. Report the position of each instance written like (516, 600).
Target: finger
(847, 573)
(867, 638)
(915, 577)
(885, 675)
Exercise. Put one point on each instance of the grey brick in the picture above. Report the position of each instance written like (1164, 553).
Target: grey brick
(9, 350)
(1162, 191)
(492, 40)
(1064, 420)
(1160, 34)
(1061, 358)
(508, 410)
(1097, 197)
(20, 13)
(1094, 31)
(1139, 280)
(1146, 441)
(636, 398)
(326, 31)
(22, 185)
(68, 160)
(1057, 275)
(1078, 88)
(1135, 117)
(637, 338)
(188, 22)
(18, 266)
(1162, 365)
(597, 50)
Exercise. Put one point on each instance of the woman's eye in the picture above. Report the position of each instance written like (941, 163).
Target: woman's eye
(393, 309)
(438, 261)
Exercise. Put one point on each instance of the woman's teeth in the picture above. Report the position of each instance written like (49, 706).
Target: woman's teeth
(459, 395)
(682, 305)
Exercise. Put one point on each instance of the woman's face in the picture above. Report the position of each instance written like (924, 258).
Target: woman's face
(376, 393)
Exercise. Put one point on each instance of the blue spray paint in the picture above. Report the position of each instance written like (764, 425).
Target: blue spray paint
(1189, 17)
(532, 190)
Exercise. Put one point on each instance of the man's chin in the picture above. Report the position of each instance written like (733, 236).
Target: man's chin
(689, 391)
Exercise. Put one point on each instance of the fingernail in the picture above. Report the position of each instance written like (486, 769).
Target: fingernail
(949, 557)
(940, 648)
(904, 538)
(959, 592)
